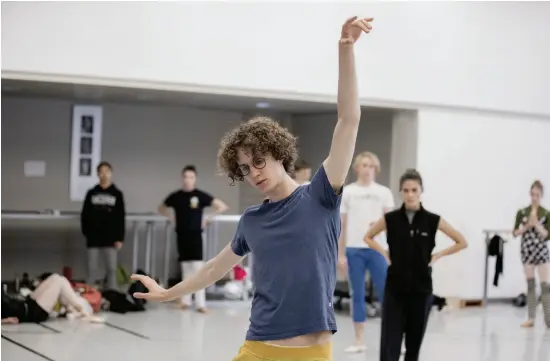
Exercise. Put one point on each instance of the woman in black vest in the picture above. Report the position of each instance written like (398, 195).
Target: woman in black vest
(411, 232)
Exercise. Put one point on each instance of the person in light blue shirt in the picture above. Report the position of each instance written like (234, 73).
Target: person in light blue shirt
(293, 235)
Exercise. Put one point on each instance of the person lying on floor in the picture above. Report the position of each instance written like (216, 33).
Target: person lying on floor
(37, 307)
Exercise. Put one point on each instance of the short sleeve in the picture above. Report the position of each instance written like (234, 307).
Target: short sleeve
(517, 223)
(170, 201)
(321, 189)
(389, 204)
(238, 244)
(205, 199)
(344, 206)
(547, 224)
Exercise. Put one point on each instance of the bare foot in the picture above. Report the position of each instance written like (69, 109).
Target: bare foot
(202, 310)
(356, 348)
(183, 306)
(11, 320)
(528, 324)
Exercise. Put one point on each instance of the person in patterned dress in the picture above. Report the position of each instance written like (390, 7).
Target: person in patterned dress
(533, 225)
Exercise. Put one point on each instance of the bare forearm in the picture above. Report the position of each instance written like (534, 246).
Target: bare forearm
(348, 98)
(342, 245)
(541, 231)
(342, 239)
(376, 246)
(165, 211)
(457, 247)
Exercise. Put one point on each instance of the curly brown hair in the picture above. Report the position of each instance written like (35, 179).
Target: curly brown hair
(260, 136)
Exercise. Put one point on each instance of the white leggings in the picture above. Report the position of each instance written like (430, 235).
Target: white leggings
(189, 268)
(56, 288)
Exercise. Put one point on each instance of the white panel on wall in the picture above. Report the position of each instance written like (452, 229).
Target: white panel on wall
(478, 169)
(422, 52)
(34, 168)
(85, 149)
(404, 144)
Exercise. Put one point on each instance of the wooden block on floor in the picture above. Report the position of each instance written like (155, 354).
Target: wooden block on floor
(456, 303)
(471, 303)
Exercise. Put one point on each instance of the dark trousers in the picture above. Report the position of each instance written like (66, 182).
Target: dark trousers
(403, 314)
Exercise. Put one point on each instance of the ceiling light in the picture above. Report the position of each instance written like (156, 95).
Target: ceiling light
(262, 105)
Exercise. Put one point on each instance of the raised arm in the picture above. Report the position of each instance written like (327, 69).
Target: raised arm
(349, 112)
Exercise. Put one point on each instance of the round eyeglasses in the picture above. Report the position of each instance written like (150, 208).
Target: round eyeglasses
(258, 163)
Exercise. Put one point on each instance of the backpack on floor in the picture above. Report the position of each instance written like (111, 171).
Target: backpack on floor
(137, 286)
(120, 302)
(90, 294)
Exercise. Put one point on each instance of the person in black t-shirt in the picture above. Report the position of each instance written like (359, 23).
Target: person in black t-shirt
(411, 231)
(188, 204)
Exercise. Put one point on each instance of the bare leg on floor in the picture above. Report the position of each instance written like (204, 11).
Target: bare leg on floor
(56, 288)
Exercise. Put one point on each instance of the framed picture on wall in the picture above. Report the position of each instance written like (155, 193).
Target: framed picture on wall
(87, 125)
(85, 167)
(86, 145)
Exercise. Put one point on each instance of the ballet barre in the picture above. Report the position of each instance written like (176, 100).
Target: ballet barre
(138, 220)
(490, 233)
(150, 220)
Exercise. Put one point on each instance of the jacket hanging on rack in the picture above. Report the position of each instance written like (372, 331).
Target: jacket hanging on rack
(496, 248)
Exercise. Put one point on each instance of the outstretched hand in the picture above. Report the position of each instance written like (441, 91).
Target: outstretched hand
(156, 293)
(353, 28)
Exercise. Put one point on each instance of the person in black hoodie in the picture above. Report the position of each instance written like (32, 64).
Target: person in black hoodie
(103, 224)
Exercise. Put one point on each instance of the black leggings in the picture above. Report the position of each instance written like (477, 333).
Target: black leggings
(403, 313)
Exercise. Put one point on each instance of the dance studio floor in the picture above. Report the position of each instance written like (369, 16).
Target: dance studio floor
(166, 334)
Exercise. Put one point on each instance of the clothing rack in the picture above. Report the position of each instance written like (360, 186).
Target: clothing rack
(490, 233)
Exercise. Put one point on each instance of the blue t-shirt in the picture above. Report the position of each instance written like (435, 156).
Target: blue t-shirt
(294, 244)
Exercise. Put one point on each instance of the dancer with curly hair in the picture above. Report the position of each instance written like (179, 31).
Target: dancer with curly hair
(293, 235)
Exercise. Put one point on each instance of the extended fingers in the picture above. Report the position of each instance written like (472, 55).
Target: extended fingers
(350, 20)
(364, 24)
(137, 277)
(141, 295)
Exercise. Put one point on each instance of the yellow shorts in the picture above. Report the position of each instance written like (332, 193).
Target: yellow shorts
(260, 351)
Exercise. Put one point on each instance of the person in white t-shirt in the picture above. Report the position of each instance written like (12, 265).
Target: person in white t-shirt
(302, 172)
(363, 203)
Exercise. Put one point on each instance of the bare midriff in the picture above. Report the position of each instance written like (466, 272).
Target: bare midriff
(317, 338)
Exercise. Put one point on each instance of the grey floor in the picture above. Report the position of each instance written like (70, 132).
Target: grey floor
(165, 334)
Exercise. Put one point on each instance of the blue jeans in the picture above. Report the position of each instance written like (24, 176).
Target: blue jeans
(359, 261)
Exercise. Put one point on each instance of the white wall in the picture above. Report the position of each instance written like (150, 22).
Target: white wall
(477, 170)
(434, 53)
(404, 145)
